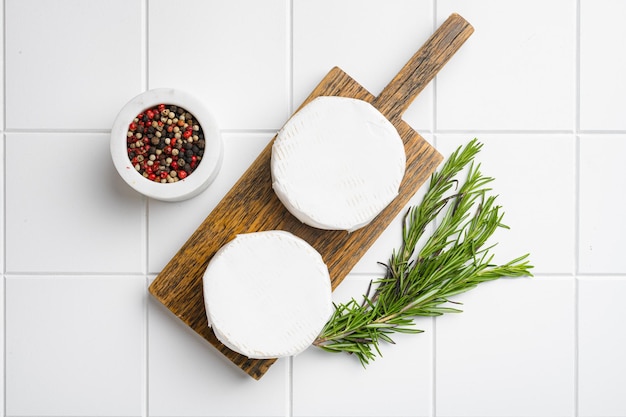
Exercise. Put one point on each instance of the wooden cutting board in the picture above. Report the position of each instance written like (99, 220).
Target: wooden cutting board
(252, 206)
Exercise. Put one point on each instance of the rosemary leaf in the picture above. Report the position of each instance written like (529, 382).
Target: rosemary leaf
(419, 281)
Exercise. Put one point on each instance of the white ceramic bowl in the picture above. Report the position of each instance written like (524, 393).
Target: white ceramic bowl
(194, 183)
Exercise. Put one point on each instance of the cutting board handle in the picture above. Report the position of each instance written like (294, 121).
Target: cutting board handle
(423, 66)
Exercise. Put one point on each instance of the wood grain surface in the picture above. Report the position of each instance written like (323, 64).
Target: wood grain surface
(252, 206)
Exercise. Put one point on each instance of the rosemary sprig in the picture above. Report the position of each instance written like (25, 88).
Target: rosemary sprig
(421, 281)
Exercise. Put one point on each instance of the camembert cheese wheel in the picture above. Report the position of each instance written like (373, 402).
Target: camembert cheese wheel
(337, 163)
(267, 294)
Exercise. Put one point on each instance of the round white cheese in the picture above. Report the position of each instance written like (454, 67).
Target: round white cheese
(267, 294)
(337, 163)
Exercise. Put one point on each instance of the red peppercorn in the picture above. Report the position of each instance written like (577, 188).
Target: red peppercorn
(161, 107)
(187, 134)
(163, 174)
(174, 165)
(133, 126)
(151, 177)
(182, 174)
(150, 114)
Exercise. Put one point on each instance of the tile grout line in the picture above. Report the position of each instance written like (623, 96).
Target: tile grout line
(4, 210)
(601, 132)
(19, 131)
(576, 295)
(577, 125)
(356, 276)
(433, 380)
(290, 49)
(74, 274)
(290, 100)
(146, 238)
(507, 131)
(145, 50)
(146, 363)
(434, 81)
(576, 274)
(146, 336)
(4, 138)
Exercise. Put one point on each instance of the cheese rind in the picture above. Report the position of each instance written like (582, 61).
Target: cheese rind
(267, 294)
(337, 163)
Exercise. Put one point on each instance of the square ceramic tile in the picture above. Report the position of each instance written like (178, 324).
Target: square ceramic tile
(336, 384)
(516, 72)
(232, 55)
(601, 347)
(240, 150)
(510, 353)
(535, 185)
(602, 65)
(189, 377)
(75, 346)
(370, 40)
(67, 209)
(602, 193)
(71, 64)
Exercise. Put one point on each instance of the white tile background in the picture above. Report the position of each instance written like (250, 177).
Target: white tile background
(541, 84)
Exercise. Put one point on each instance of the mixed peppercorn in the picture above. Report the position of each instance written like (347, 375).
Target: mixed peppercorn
(165, 143)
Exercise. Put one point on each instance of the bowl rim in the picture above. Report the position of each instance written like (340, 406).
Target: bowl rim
(205, 172)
